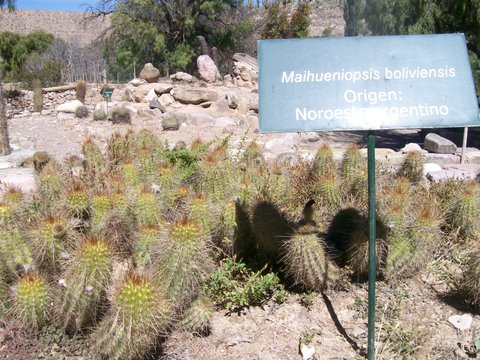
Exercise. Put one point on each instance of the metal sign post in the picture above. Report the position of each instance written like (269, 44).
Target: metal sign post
(366, 83)
(107, 94)
(372, 240)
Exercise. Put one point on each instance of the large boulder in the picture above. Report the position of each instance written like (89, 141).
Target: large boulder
(149, 73)
(194, 96)
(69, 107)
(163, 88)
(438, 144)
(207, 69)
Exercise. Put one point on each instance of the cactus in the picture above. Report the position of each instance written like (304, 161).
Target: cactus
(306, 260)
(93, 157)
(329, 191)
(146, 163)
(464, 212)
(182, 262)
(197, 318)
(120, 115)
(85, 279)
(117, 229)
(99, 208)
(323, 162)
(7, 215)
(81, 91)
(138, 317)
(145, 243)
(99, 115)
(469, 284)
(352, 164)
(52, 238)
(147, 210)
(145, 138)
(13, 196)
(37, 95)
(201, 212)
(31, 302)
(412, 167)
(131, 176)
(14, 251)
(118, 148)
(50, 184)
(215, 177)
(77, 201)
(81, 112)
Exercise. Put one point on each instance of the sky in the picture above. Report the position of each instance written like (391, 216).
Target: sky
(59, 5)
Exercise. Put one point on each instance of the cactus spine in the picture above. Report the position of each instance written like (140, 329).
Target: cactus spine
(31, 303)
(138, 317)
(147, 239)
(85, 279)
(147, 210)
(197, 318)
(81, 91)
(463, 216)
(412, 167)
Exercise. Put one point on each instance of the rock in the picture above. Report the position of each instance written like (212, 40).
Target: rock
(310, 137)
(21, 177)
(411, 147)
(149, 73)
(253, 103)
(225, 121)
(69, 107)
(442, 159)
(182, 76)
(475, 168)
(473, 157)
(429, 167)
(180, 117)
(443, 175)
(137, 82)
(358, 332)
(65, 116)
(146, 113)
(155, 104)
(180, 145)
(194, 96)
(207, 69)
(221, 107)
(288, 158)
(232, 100)
(282, 143)
(46, 112)
(151, 95)
(163, 88)
(461, 322)
(201, 120)
(170, 123)
(439, 145)
(206, 104)
(166, 99)
(307, 351)
(227, 79)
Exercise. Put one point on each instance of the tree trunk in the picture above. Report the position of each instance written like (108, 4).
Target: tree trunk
(4, 140)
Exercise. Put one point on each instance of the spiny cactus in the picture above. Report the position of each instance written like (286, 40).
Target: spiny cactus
(323, 162)
(85, 278)
(50, 184)
(81, 91)
(7, 215)
(215, 177)
(145, 138)
(81, 112)
(132, 177)
(201, 212)
(118, 148)
(93, 157)
(146, 163)
(120, 115)
(52, 239)
(329, 191)
(77, 201)
(147, 209)
(463, 217)
(37, 95)
(99, 208)
(14, 251)
(138, 317)
(182, 262)
(352, 163)
(412, 167)
(306, 260)
(13, 196)
(99, 115)
(469, 284)
(146, 240)
(197, 318)
(118, 230)
(31, 302)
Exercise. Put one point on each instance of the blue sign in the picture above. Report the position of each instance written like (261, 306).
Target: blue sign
(366, 83)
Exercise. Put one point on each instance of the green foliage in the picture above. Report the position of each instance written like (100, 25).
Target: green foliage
(233, 286)
(15, 50)
(279, 26)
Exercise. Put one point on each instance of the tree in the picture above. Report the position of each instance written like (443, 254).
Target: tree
(4, 140)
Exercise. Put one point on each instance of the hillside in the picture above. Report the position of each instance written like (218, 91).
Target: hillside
(65, 25)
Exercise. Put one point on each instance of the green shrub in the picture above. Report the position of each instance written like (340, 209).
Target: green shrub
(233, 286)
